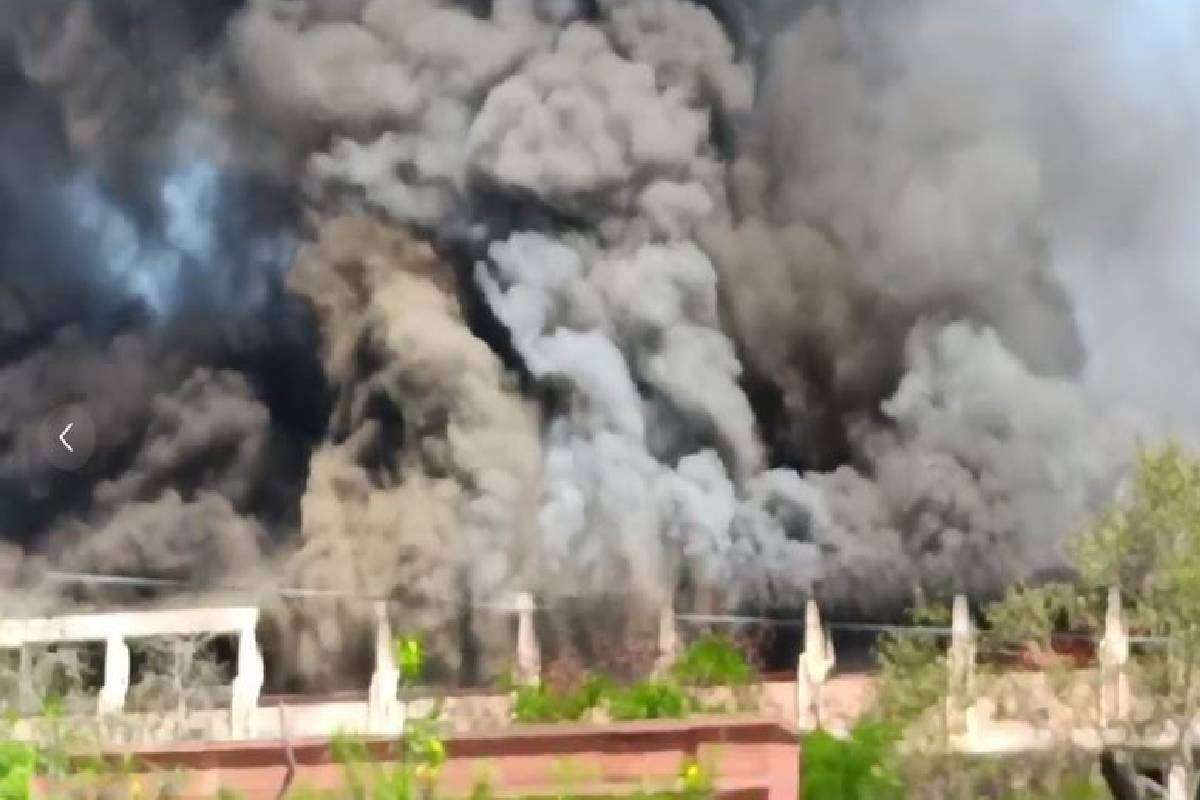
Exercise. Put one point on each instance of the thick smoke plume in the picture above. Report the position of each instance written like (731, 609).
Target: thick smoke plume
(725, 303)
(427, 485)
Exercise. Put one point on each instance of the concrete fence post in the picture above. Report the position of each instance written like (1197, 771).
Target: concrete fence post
(1113, 655)
(668, 639)
(1177, 782)
(116, 675)
(529, 659)
(28, 701)
(385, 712)
(961, 678)
(813, 667)
(248, 684)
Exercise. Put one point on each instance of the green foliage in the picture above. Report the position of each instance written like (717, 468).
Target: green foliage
(643, 700)
(1149, 546)
(412, 774)
(912, 676)
(695, 781)
(649, 700)
(538, 703)
(410, 658)
(19, 762)
(713, 660)
(543, 703)
(925, 613)
(856, 768)
(1033, 614)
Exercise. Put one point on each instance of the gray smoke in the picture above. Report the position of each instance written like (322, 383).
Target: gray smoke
(921, 164)
(634, 487)
(609, 297)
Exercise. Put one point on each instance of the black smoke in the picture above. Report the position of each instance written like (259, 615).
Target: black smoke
(141, 273)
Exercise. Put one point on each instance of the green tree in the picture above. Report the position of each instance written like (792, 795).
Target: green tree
(1147, 545)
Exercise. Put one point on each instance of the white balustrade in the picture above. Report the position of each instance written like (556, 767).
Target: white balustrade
(114, 629)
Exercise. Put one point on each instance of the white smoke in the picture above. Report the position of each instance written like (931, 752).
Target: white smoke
(626, 503)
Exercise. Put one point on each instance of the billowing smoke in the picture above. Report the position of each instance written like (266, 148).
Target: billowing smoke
(141, 276)
(732, 303)
(426, 487)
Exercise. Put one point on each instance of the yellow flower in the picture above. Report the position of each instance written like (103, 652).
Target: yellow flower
(693, 777)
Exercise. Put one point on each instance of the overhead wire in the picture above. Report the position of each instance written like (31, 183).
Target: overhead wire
(291, 592)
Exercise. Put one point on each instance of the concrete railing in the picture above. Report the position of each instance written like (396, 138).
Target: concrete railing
(968, 717)
(383, 713)
(115, 629)
(816, 663)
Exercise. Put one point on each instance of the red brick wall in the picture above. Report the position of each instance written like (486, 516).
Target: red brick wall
(751, 758)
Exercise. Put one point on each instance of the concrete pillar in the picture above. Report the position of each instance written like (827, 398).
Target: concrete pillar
(529, 659)
(1113, 655)
(961, 679)
(385, 712)
(668, 640)
(27, 700)
(116, 675)
(1177, 782)
(247, 685)
(814, 665)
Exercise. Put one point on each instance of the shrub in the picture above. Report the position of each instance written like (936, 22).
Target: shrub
(410, 657)
(855, 768)
(713, 661)
(543, 703)
(18, 764)
(649, 700)
(413, 775)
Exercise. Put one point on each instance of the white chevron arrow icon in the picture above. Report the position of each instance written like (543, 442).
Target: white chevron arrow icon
(62, 437)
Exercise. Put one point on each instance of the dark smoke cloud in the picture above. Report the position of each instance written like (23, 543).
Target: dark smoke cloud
(729, 302)
(427, 488)
(142, 256)
(908, 170)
